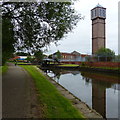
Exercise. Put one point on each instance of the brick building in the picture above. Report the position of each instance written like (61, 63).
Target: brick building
(73, 56)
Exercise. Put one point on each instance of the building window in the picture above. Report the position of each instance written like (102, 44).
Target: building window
(92, 14)
(103, 13)
(100, 13)
(95, 12)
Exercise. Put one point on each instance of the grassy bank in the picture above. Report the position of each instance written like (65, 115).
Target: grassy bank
(108, 68)
(85, 66)
(3, 69)
(55, 105)
(69, 65)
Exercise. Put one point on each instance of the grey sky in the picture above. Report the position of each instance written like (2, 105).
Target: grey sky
(80, 38)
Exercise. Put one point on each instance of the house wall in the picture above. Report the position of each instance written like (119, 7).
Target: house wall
(67, 56)
(72, 57)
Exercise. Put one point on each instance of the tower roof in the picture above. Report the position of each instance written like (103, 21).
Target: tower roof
(98, 5)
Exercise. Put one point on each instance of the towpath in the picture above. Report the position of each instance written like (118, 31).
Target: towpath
(18, 94)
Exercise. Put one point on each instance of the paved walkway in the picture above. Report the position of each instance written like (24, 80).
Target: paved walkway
(18, 99)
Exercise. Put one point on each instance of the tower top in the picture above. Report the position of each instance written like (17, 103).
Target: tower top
(98, 12)
(98, 5)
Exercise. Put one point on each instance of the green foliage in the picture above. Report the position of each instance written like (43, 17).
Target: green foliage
(83, 64)
(58, 55)
(105, 54)
(117, 58)
(7, 39)
(22, 54)
(3, 69)
(36, 25)
(88, 58)
(50, 56)
(39, 55)
(30, 59)
(69, 65)
(55, 105)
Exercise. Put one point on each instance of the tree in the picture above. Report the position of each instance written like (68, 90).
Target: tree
(7, 39)
(50, 56)
(39, 56)
(22, 54)
(105, 54)
(36, 25)
(30, 59)
(58, 55)
(117, 58)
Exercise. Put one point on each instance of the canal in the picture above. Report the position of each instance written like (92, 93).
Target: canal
(99, 91)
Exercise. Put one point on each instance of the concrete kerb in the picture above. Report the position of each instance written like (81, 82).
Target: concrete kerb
(76, 102)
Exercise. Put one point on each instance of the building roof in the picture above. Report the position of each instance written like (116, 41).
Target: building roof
(75, 53)
(67, 54)
(98, 5)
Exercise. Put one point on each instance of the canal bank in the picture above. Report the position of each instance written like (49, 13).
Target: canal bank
(76, 102)
(98, 90)
(54, 105)
(85, 68)
(79, 105)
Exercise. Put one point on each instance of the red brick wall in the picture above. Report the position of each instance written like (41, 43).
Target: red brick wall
(97, 64)
(104, 64)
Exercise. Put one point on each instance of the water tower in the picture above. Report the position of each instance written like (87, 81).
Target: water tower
(98, 16)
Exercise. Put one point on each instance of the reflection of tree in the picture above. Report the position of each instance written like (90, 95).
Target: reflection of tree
(75, 72)
(55, 72)
(87, 80)
(58, 72)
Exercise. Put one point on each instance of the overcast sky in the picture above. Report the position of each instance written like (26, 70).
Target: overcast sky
(80, 38)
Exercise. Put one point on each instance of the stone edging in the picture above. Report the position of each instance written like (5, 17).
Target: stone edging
(80, 105)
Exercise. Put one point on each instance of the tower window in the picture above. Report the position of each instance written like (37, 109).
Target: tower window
(103, 13)
(100, 12)
(95, 13)
(92, 14)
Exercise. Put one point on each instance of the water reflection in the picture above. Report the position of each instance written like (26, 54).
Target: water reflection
(99, 91)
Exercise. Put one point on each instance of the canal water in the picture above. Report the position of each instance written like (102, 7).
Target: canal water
(99, 91)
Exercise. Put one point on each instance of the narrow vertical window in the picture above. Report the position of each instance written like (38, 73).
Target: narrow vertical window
(103, 13)
(100, 14)
(95, 12)
(92, 14)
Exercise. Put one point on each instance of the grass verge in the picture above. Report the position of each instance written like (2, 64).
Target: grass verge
(108, 68)
(3, 69)
(55, 105)
(69, 65)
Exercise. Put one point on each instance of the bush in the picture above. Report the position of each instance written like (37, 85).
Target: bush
(83, 64)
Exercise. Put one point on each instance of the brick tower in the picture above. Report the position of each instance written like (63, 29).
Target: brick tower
(98, 16)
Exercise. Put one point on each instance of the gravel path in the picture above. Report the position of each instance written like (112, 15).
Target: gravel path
(18, 94)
